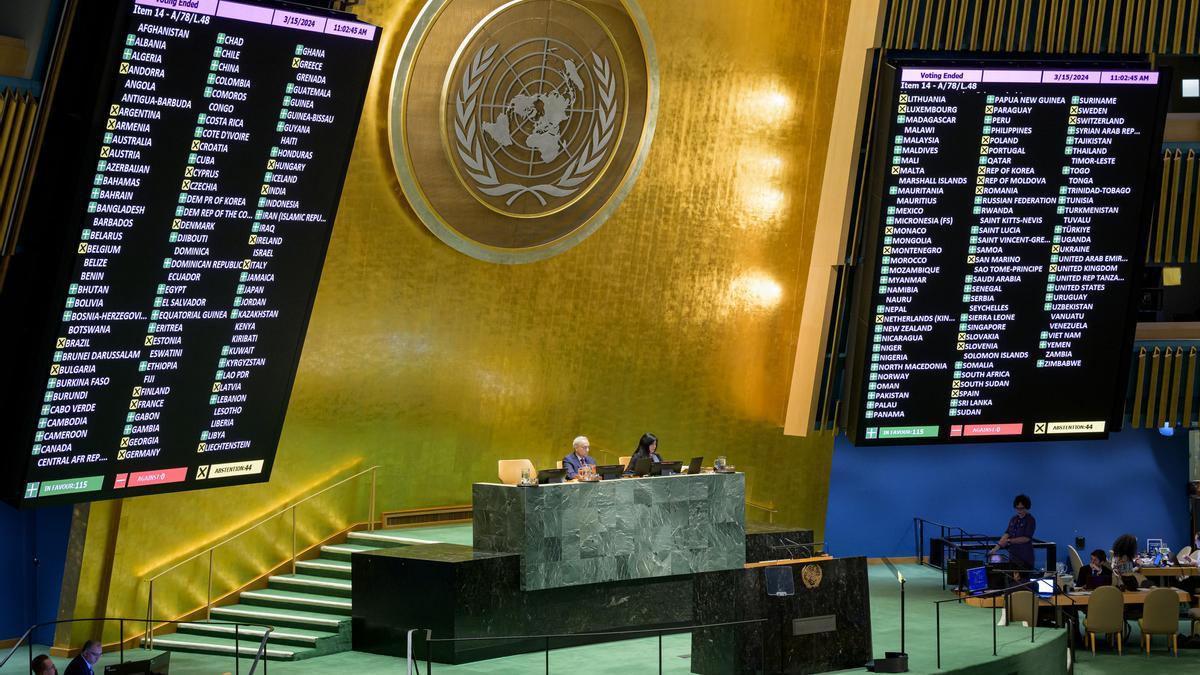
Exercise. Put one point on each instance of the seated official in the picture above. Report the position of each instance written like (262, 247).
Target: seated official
(1125, 550)
(1096, 574)
(42, 665)
(647, 447)
(578, 458)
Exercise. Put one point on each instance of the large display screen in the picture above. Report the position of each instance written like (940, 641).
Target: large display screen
(217, 160)
(1000, 250)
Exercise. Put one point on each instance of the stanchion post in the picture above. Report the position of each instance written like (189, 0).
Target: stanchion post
(547, 655)
(902, 615)
(371, 515)
(1033, 613)
(237, 649)
(937, 628)
(121, 637)
(660, 652)
(208, 606)
(148, 640)
(293, 539)
(993, 626)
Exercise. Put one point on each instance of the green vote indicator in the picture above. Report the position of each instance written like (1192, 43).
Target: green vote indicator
(903, 432)
(65, 486)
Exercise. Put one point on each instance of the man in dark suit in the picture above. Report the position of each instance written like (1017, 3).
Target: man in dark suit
(84, 662)
(578, 458)
(42, 665)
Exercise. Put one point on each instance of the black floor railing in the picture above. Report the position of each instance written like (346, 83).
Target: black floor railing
(1006, 593)
(259, 654)
(574, 638)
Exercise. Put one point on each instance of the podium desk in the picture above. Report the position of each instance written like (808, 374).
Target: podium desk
(569, 534)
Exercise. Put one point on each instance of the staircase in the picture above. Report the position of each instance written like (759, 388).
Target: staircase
(309, 610)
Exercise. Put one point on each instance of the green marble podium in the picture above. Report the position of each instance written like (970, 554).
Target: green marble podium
(633, 528)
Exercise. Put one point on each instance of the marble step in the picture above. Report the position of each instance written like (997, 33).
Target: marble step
(308, 583)
(280, 617)
(310, 602)
(324, 567)
(343, 551)
(295, 637)
(207, 644)
(384, 539)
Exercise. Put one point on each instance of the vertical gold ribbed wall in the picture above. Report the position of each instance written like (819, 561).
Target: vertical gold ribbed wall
(1175, 236)
(678, 316)
(1060, 26)
(17, 112)
(1164, 384)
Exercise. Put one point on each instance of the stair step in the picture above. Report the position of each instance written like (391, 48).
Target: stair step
(276, 616)
(344, 551)
(299, 637)
(384, 539)
(325, 567)
(312, 584)
(295, 599)
(205, 644)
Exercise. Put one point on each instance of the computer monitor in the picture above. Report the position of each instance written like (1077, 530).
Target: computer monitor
(665, 468)
(551, 476)
(1045, 587)
(977, 581)
(610, 471)
(159, 665)
(694, 465)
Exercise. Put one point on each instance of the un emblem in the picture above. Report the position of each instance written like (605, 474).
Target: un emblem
(518, 128)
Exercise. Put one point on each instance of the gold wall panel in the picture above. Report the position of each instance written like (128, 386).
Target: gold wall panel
(679, 316)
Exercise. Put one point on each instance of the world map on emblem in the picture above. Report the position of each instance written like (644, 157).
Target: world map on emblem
(533, 122)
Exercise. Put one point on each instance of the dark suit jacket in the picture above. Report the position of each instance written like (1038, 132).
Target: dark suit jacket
(572, 464)
(78, 666)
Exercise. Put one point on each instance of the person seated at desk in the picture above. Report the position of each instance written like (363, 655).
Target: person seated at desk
(1124, 551)
(578, 457)
(1096, 574)
(647, 447)
(1018, 537)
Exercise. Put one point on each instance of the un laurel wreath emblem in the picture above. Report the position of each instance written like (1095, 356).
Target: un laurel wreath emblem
(540, 121)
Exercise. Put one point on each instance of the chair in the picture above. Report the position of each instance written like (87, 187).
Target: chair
(558, 464)
(1105, 615)
(1194, 615)
(625, 460)
(510, 470)
(1076, 561)
(1161, 617)
(1184, 553)
(1020, 607)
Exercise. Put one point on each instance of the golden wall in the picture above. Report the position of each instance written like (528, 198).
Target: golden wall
(679, 316)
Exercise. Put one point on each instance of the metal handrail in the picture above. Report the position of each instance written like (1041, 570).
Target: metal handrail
(212, 549)
(259, 654)
(771, 511)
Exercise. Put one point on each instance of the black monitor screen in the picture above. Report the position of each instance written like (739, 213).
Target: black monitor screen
(1006, 222)
(189, 258)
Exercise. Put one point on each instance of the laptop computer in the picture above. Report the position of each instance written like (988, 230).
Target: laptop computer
(551, 476)
(694, 465)
(1045, 587)
(610, 471)
(665, 468)
(642, 467)
(977, 581)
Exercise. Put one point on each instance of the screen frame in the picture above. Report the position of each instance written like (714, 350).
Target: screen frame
(863, 257)
(40, 270)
